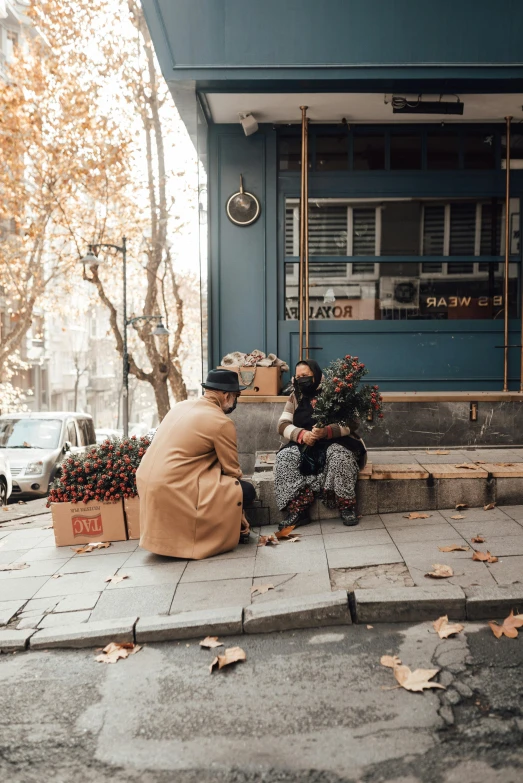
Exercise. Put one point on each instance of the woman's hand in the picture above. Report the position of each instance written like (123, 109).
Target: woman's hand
(309, 438)
(319, 432)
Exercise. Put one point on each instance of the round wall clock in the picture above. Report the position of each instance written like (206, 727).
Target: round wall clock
(243, 209)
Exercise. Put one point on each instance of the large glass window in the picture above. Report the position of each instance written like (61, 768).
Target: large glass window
(442, 150)
(368, 151)
(405, 151)
(479, 151)
(332, 151)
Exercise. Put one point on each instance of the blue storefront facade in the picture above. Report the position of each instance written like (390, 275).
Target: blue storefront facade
(407, 209)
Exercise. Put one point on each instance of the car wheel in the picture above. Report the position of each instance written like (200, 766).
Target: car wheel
(3, 493)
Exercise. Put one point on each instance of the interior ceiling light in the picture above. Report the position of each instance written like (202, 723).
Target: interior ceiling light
(402, 105)
(249, 123)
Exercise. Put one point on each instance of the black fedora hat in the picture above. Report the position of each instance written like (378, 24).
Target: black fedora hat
(223, 380)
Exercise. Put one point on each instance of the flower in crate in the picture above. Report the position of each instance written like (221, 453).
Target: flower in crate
(104, 473)
(343, 398)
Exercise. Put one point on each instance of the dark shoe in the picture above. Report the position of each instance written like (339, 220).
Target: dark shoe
(349, 517)
(298, 519)
(244, 538)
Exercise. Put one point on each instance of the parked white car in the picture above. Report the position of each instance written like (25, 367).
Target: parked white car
(6, 482)
(103, 435)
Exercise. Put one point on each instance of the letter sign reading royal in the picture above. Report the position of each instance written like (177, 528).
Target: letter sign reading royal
(87, 526)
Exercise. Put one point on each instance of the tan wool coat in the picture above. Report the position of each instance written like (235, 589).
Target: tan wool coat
(188, 483)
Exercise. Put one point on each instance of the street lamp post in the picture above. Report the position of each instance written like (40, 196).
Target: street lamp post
(91, 259)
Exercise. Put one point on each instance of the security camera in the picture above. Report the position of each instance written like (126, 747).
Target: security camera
(248, 122)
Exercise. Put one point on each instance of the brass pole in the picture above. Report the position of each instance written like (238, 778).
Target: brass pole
(306, 237)
(507, 256)
(301, 270)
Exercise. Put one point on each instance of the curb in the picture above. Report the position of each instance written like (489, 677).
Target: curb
(394, 605)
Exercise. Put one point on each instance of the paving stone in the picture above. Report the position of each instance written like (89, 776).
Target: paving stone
(484, 603)
(65, 618)
(302, 612)
(169, 573)
(502, 546)
(29, 622)
(453, 471)
(69, 584)
(367, 522)
(8, 609)
(42, 605)
(371, 577)
(438, 532)
(77, 602)
(353, 557)
(356, 538)
(94, 634)
(473, 514)
(489, 529)
(62, 553)
(509, 570)
(192, 596)
(304, 544)
(10, 556)
(401, 519)
(509, 490)
(84, 563)
(429, 456)
(37, 568)
(141, 557)
(116, 548)
(431, 550)
(214, 570)
(466, 572)
(409, 604)
(514, 512)
(17, 589)
(12, 640)
(473, 492)
(140, 601)
(243, 550)
(399, 471)
(288, 559)
(16, 541)
(190, 625)
(292, 586)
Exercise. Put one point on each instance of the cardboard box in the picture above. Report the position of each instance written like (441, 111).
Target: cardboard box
(132, 517)
(260, 381)
(79, 523)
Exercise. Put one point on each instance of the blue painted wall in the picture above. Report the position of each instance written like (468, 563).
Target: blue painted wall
(246, 34)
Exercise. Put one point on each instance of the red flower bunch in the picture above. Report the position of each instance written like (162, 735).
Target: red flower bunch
(104, 473)
(343, 398)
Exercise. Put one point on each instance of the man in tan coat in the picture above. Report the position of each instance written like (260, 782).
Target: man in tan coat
(189, 481)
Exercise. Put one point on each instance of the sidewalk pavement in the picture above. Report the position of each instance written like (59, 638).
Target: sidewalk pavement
(381, 564)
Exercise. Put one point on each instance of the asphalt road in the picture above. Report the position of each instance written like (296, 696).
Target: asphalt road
(309, 706)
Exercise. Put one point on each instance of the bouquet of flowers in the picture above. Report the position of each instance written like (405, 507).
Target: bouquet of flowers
(103, 473)
(342, 398)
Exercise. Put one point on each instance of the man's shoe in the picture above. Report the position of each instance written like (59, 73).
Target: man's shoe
(297, 519)
(349, 517)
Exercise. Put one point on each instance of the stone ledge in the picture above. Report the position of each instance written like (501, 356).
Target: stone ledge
(189, 625)
(484, 603)
(95, 634)
(310, 611)
(407, 604)
(12, 640)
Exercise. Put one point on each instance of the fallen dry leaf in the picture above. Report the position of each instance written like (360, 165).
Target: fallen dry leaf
(509, 627)
(461, 506)
(478, 539)
(369, 627)
(116, 578)
(22, 503)
(433, 453)
(454, 548)
(485, 557)
(14, 567)
(415, 681)
(445, 629)
(458, 516)
(47, 527)
(416, 515)
(5, 508)
(210, 642)
(261, 589)
(440, 571)
(285, 532)
(56, 576)
(480, 462)
(114, 651)
(231, 655)
(91, 547)
(264, 540)
(294, 540)
(467, 465)
(489, 507)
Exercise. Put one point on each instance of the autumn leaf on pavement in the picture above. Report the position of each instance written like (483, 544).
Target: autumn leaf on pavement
(264, 540)
(14, 567)
(5, 508)
(445, 629)
(210, 642)
(460, 506)
(454, 548)
(416, 681)
(480, 462)
(231, 655)
(116, 578)
(489, 507)
(114, 651)
(478, 539)
(509, 627)
(458, 516)
(294, 540)
(91, 547)
(440, 571)
(285, 532)
(416, 515)
(484, 557)
(261, 589)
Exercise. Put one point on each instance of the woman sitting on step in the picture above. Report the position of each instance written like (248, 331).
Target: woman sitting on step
(315, 462)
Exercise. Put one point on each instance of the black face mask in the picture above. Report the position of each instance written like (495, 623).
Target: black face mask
(306, 385)
(230, 410)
